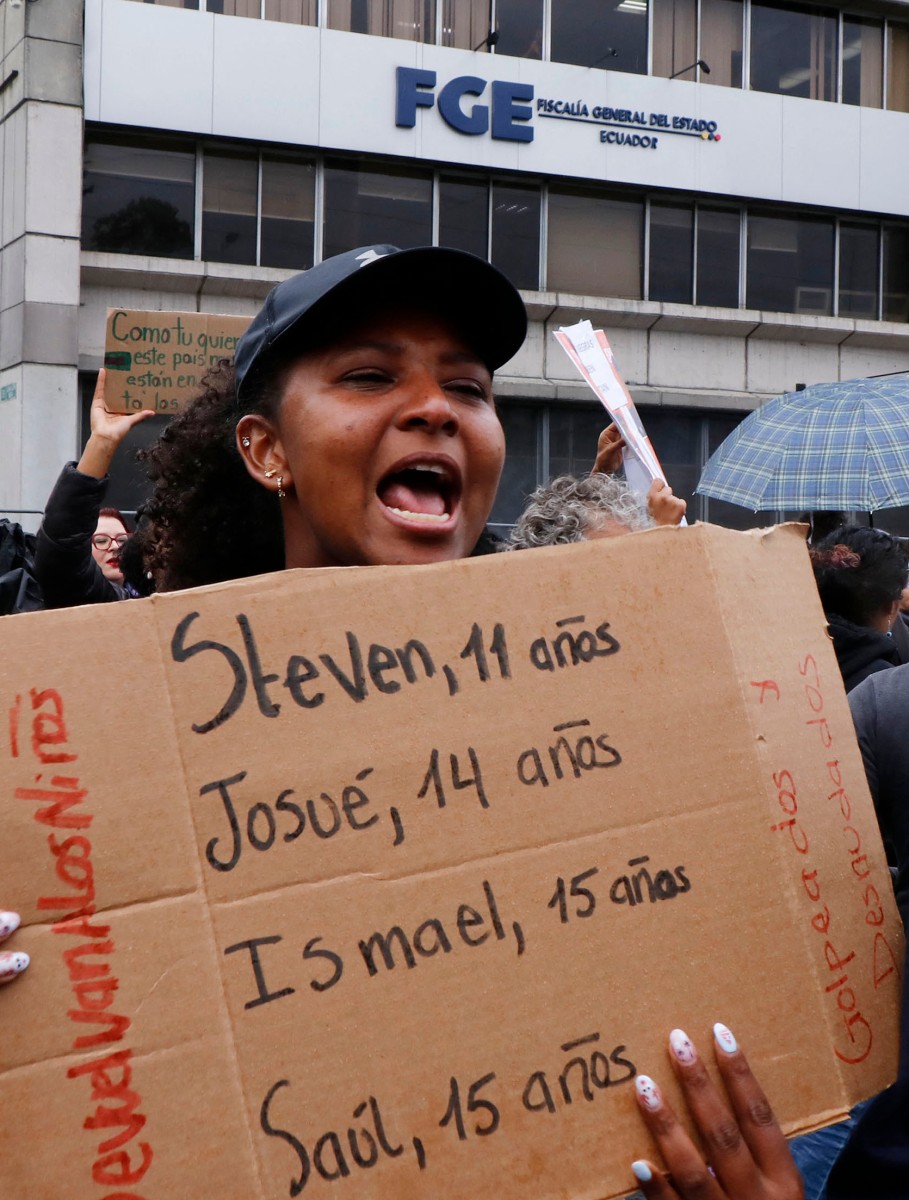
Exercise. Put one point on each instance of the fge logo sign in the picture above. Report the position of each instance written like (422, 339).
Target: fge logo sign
(509, 104)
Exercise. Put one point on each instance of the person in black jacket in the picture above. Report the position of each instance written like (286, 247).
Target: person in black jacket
(77, 554)
(860, 574)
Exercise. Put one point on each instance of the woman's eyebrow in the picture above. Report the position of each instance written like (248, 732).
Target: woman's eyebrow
(468, 357)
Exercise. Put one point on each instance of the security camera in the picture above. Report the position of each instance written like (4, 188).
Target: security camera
(15, 3)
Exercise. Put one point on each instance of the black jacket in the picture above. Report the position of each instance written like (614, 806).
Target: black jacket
(875, 1160)
(860, 651)
(64, 566)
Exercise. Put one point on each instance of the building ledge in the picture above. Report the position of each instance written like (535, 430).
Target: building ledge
(178, 275)
(559, 308)
(212, 279)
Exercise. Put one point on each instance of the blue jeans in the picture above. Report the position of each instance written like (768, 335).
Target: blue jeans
(815, 1153)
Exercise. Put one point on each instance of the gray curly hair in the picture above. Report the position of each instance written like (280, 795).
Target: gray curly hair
(568, 509)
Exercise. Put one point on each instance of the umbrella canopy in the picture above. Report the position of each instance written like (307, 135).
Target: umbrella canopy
(831, 446)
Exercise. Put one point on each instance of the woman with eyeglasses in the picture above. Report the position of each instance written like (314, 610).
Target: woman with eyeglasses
(77, 558)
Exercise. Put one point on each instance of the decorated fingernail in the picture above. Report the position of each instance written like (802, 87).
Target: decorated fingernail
(9, 923)
(649, 1092)
(724, 1038)
(641, 1171)
(682, 1047)
(12, 965)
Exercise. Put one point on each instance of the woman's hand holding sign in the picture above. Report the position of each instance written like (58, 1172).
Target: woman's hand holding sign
(748, 1155)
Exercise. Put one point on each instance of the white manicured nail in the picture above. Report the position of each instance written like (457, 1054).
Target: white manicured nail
(681, 1046)
(12, 965)
(641, 1171)
(9, 923)
(649, 1092)
(724, 1038)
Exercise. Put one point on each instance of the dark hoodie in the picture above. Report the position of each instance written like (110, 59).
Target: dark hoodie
(860, 651)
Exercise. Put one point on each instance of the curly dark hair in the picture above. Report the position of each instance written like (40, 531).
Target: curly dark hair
(208, 520)
(859, 572)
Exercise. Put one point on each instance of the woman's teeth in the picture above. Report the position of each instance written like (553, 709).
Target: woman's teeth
(426, 518)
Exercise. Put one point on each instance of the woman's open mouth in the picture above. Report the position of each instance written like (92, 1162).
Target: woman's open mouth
(422, 491)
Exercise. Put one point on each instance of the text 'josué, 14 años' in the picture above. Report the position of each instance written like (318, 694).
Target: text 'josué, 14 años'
(358, 669)
(298, 818)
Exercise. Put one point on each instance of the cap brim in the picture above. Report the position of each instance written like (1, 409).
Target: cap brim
(481, 301)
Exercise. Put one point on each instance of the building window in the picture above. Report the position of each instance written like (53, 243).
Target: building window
(139, 198)
(595, 243)
(465, 23)
(675, 43)
(859, 268)
(671, 251)
(572, 438)
(790, 263)
(897, 66)
(543, 441)
(718, 255)
(526, 465)
(292, 12)
(863, 61)
(410, 20)
(464, 214)
(520, 28)
(515, 245)
(174, 3)
(596, 35)
(793, 50)
(288, 212)
(896, 273)
(234, 8)
(372, 205)
(722, 23)
(230, 184)
(262, 207)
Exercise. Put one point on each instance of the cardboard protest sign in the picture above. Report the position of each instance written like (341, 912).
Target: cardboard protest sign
(386, 882)
(156, 360)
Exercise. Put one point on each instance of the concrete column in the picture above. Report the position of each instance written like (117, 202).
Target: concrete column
(40, 207)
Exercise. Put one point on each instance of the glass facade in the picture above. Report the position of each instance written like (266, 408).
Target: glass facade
(545, 440)
(671, 256)
(818, 52)
(790, 263)
(612, 36)
(139, 198)
(411, 20)
(793, 50)
(594, 243)
(366, 205)
(260, 207)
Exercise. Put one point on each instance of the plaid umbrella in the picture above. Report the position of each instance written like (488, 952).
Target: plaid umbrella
(831, 446)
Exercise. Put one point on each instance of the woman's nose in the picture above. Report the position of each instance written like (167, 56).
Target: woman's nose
(427, 406)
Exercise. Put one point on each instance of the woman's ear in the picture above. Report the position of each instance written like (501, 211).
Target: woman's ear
(262, 452)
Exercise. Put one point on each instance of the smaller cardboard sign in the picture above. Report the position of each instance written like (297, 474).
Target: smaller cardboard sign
(156, 360)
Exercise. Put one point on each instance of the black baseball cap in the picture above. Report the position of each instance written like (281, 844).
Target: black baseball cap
(480, 300)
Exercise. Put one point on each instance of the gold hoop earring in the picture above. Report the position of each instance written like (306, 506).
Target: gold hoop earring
(281, 491)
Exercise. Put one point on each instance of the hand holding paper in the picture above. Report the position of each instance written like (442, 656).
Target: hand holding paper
(589, 350)
(610, 447)
(665, 507)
